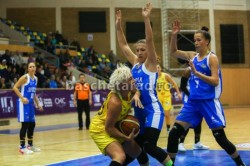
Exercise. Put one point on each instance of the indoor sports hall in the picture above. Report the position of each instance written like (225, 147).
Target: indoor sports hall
(69, 37)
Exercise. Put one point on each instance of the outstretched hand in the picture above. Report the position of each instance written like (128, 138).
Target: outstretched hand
(136, 100)
(147, 10)
(118, 15)
(176, 27)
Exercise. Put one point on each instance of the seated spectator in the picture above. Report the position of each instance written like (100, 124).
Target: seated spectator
(77, 44)
(59, 82)
(111, 56)
(6, 56)
(58, 36)
(30, 58)
(47, 73)
(3, 84)
(3, 64)
(41, 78)
(18, 57)
(39, 59)
(52, 82)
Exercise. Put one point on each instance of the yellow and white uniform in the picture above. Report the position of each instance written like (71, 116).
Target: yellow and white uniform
(163, 92)
(97, 125)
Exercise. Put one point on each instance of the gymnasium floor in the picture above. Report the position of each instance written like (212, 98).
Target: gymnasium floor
(63, 145)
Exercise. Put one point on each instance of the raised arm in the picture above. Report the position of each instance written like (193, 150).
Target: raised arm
(128, 53)
(173, 44)
(151, 61)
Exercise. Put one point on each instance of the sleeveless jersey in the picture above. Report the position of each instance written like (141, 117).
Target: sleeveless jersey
(200, 90)
(145, 81)
(163, 86)
(98, 121)
(28, 90)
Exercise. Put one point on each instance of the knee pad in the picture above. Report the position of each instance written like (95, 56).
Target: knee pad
(173, 138)
(222, 140)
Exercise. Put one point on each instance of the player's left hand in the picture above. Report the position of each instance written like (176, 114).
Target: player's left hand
(40, 108)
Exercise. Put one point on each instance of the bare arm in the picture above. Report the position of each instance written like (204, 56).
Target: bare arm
(90, 97)
(151, 60)
(113, 112)
(128, 53)
(40, 108)
(22, 80)
(170, 79)
(214, 66)
(184, 81)
(75, 104)
(173, 44)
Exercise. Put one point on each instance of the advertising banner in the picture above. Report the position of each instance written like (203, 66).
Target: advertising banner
(53, 101)
(56, 101)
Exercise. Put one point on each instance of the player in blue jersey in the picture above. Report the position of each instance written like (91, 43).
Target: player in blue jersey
(25, 88)
(144, 72)
(184, 86)
(205, 90)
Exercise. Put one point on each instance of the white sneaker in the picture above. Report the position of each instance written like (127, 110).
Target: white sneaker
(181, 147)
(25, 151)
(200, 146)
(33, 148)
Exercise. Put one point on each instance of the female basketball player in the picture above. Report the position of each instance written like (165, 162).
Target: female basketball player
(144, 72)
(205, 89)
(197, 130)
(25, 108)
(164, 82)
(122, 149)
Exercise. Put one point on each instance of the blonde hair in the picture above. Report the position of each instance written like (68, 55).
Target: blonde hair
(120, 75)
(140, 41)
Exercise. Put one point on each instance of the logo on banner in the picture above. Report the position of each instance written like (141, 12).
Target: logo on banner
(47, 102)
(60, 102)
(97, 101)
(71, 101)
(7, 104)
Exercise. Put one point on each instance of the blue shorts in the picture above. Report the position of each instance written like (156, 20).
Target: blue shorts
(194, 110)
(25, 112)
(151, 116)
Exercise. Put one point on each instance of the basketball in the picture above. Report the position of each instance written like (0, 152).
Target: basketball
(128, 124)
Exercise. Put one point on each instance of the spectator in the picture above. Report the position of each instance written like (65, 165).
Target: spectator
(77, 44)
(52, 82)
(111, 56)
(18, 57)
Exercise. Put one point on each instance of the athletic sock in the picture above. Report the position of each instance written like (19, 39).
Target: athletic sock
(238, 161)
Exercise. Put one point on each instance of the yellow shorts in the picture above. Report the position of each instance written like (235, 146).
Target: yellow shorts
(166, 103)
(102, 140)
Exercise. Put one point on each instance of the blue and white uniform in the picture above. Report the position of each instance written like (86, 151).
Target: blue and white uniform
(152, 115)
(203, 100)
(26, 112)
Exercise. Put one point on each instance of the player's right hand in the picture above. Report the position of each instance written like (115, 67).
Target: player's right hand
(25, 100)
(176, 27)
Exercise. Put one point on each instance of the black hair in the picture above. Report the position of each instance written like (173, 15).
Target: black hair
(204, 31)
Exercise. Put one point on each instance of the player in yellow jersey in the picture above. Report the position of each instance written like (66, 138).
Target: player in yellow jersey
(164, 83)
(122, 149)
